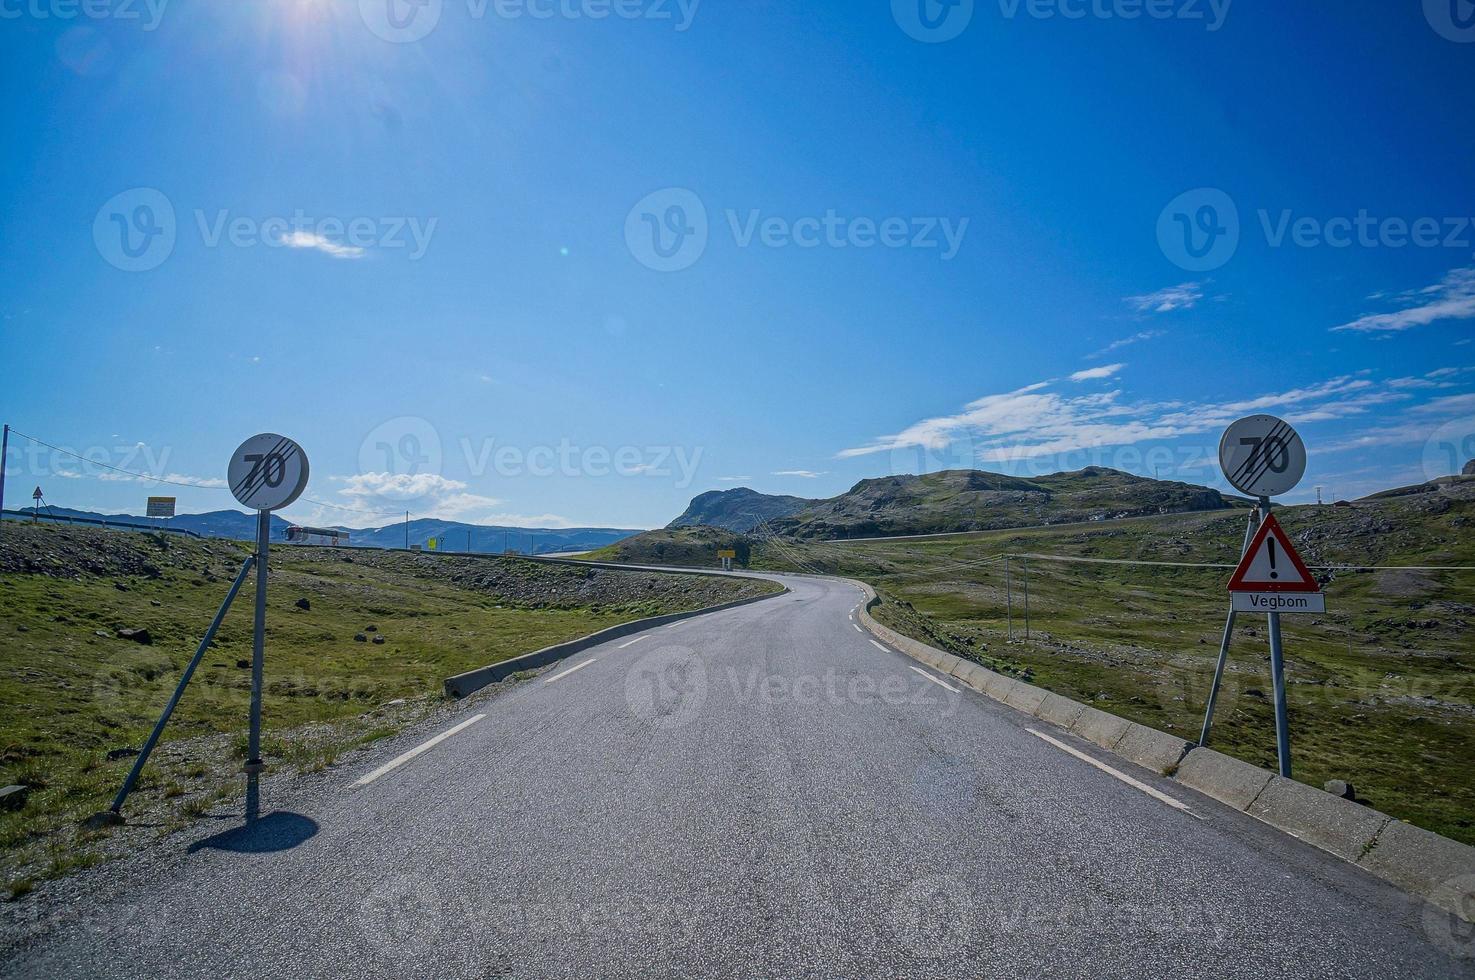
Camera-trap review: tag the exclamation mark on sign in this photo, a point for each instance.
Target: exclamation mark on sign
(1273, 572)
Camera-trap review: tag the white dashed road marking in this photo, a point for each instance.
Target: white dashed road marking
(632, 642)
(559, 677)
(395, 763)
(934, 679)
(879, 646)
(1135, 784)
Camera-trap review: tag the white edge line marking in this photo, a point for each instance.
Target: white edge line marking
(934, 679)
(632, 642)
(857, 627)
(1135, 784)
(879, 646)
(394, 764)
(581, 666)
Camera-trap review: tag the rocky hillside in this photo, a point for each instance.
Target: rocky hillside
(972, 500)
(688, 547)
(739, 510)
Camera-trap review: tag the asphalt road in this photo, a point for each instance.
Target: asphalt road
(761, 792)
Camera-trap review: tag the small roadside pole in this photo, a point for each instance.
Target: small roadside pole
(36, 506)
(268, 472)
(727, 555)
(1025, 564)
(1262, 456)
(1009, 599)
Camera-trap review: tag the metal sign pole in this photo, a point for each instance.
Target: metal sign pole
(1203, 738)
(1278, 682)
(254, 765)
(1009, 597)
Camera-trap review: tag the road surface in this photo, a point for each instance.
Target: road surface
(762, 792)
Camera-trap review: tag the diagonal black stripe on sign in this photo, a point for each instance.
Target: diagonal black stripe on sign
(1254, 462)
(1284, 439)
(244, 487)
(252, 483)
(286, 456)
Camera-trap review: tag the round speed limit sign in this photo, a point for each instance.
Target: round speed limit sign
(1262, 456)
(268, 472)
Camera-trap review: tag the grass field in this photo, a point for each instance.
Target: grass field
(72, 690)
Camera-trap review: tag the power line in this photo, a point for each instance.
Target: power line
(94, 462)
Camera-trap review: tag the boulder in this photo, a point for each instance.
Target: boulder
(360, 638)
(14, 797)
(137, 636)
(303, 604)
(1469, 469)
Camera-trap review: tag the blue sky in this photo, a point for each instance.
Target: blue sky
(540, 266)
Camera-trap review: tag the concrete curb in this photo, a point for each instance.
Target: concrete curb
(1439, 870)
(463, 685)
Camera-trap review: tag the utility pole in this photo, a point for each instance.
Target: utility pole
(1026, 601)
(407, 530)
(1009, 593)
(468, 541)
(4, 458)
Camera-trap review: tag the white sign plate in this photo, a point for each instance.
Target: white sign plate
(161, 506)
(1280, 602)
(1262, 456)
(268, 472)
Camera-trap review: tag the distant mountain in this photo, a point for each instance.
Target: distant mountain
(483, 539)
(973, 500)
(739, 509)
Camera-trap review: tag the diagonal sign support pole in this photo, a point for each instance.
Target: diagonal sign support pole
(1203, 739)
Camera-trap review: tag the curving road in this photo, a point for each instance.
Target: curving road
(760, 792)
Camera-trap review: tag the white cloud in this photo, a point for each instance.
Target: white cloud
(1181, 297)
(1035, 422)
(802, 474)
(1136, 338)
(1452, 298)
(307, 239)
(1092, 374)
(733, 479)
(423, 494)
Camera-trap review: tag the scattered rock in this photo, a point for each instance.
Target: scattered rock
(378, 640)
(22, 629)
(137, 636)
(155, 602)
(303, 604)
(243, 665)
(120, 586)
(371, 629)
(1342, 788)
(102, 633)
(14, 797)
(360, 638)
(116, 754)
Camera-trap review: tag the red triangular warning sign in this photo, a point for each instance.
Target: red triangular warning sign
(1272, 564)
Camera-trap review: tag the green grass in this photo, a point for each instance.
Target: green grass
(68, 695)
(1381, 688)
